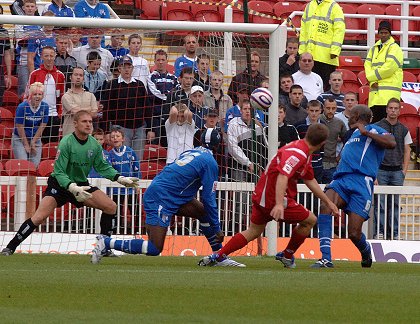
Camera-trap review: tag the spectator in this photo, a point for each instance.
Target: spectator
(180, 129)
(196, 105)
(160, 83)
(6, 58)
(244, 160)
(350, 100)
(141, 66)
(201, 76)
(125, 104)
(189, 59)
(16, 8)
(392, 172)
(38, 42)
(124, 159)
(252, 80)
(337, 130)
(63, 60)
(99, 135)
(54, 83)
(116, 48)
(287, 133)
(76, 99)
(94, 45)
(314, 113)
(336, 82)
(235, 110)
(310, 81)
(289, 62)
(94, 78)
(322, 35)
(215, 98)
(294, 110)
(383, 67)
(31, 119)
(286, 81)
(59, 9)
(23, 33)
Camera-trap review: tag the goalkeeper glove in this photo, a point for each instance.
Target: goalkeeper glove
(129, 182)
(80, 192)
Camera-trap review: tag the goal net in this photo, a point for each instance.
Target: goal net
(139, 109)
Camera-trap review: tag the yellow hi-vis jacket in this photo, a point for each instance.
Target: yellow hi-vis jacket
(322, 31)
(384, 67)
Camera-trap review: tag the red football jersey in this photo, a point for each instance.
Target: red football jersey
(292, 160)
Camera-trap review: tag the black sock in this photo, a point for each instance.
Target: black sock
(24, 231)
(108, 224)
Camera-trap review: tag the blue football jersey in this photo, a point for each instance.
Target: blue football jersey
(361, 154)
(125, 161)
(179, 182)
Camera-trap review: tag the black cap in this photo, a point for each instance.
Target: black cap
(210, 138)
(384, 24)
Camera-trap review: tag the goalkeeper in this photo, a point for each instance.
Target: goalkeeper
(172, 192)
(77, 154)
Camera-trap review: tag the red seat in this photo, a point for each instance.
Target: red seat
(10, 100)
(150, 9)
(350, 82)
(206, 13)
(361, 77)
(156, 153)
(418, 78)
(352, 63)
(284, 9)
(14, 86)
(364, 95)
(349, 8)
(7, 117)
(347, 75)
(5, 132)
(177, 11)
(5, 151)
(150, 169)
(395, 10)
(237, 15)
(411, 122)
(45, 168)
(408, 109)
(262, 7)
(354, 24)
(409, 77)
(49, 151)
(169, 67)
(19, 168)
(370, 9)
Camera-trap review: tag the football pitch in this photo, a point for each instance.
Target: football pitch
(139, 289)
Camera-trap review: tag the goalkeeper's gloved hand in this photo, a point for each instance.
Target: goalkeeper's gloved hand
(80, 192)
(129, 182)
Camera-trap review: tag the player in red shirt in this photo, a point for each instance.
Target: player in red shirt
(275, 197)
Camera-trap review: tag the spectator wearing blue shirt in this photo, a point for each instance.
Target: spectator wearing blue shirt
(59, 9)
(116, 48)
(189, 59)
(94, 77)
(31, 119)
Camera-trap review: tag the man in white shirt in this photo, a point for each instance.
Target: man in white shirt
(310, 81)
(94, 44)
(141, 66)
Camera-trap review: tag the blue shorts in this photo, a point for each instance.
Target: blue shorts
(156, 214)
(356, 190)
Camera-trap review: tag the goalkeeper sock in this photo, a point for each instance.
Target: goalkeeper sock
(24, 231)
(210, 234)
(235, 243)
(108, 224)
(295, 242)
(325, 234)
(135, 246)
(364, 247)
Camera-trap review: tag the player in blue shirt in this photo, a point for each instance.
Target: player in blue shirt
(352, 187)
(173, 191)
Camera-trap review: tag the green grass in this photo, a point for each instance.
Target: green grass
(138, 289)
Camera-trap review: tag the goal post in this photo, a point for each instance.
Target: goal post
(277, 35)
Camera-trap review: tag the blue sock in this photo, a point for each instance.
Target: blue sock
(325, 234)
(364, 247)
(210, 234)
(134, 246)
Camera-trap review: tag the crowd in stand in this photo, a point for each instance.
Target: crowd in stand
(59, 73)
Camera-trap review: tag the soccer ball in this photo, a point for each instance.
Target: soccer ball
(261, 98)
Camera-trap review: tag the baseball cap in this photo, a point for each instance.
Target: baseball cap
(211, 112)
(196, 88)
(126, 60)
(210, 138)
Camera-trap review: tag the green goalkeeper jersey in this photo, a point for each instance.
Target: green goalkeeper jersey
(75, 159)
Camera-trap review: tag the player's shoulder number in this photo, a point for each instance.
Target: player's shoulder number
(186, 158)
